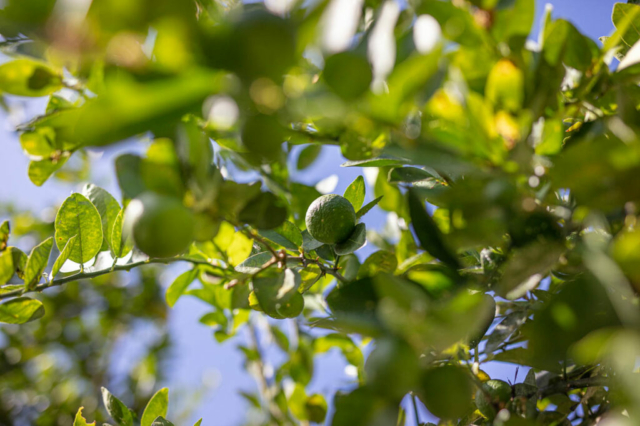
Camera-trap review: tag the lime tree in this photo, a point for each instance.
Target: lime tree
(331, 219)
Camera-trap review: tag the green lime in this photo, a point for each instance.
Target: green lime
(162, 225)
(392, 369)
(331, 219)
(347, 74)
(493, 397)
(293, 307)
(447, 392)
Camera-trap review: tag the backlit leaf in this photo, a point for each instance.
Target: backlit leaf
(355, 193)
(37, 262)
(156, 407)
(78, 216)
(63, 257)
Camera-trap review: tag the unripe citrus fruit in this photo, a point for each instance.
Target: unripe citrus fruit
(447, 391)
(493, 396)
(293, 307)
(162, 225)
(331, 219)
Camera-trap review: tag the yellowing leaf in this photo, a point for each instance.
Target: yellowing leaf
(21, 310)
(81, 421)
(26, 77)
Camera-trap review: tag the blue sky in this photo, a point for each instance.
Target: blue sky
(197, 355)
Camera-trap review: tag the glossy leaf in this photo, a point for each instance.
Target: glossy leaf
(161, 421)
(77, 216)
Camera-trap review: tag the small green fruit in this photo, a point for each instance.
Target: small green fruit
(493, 397)
(331, 219)
(293, 307)
(447, 392)
(162, 225)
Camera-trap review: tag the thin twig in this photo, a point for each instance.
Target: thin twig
(94, 274)
(566, 386)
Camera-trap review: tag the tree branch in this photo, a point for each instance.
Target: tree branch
(566, 386)
(94, 274)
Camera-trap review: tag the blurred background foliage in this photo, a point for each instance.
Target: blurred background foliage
(505, 167)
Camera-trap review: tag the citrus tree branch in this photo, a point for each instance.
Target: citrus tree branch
(93, 274)
(566, 386)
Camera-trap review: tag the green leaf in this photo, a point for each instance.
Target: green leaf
(128, 171)
(381, 161)
(38, 143)
(5, 229)
(198, 423)
(119, 412)
(156, 407)
(429, 235)
(179, 286)
(63, 257)
(308, 242)
(21, 310)
(81, 421)
(408, 174)
(308, 155)
(364, 210)
(161, 421)
(266, 211)
(274, 292)
(527, 267)
(6, 266)
(291, 233)
(626, 19)
(380, 261)
(253, 263)
(19, 261)
(121, 242)
(37, 262)
(40, 171)
(239, 248)
(78, 216)
(356, 240)
(108, 208)
(355, 193)
(26, 77)
(135, 107)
